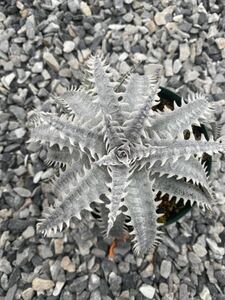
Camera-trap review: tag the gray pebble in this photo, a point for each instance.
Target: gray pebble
(163, 289)
(128, 17)
(58, 287)
(183, 292)
(114, 281)
(124, 67)
(85, 8)
(23, 76)
(4, 45)
(7, 80)
(148, 271)
(184, 52)
(4, 282)
(131, 29)
(173, 46)
(68, 46)
(182, 260)
(193, 258)
(205, 294)
(17, 226)
(124, 267)
(5, 266)
(51, 28)
(45, 251)
(169, 242)
(218, 252)
(147, 290)
(199, 250)
(66, 295)
(8, 66)
(2, 17)
(47, 174)
(22, 192)
(11, 292)
(28, 233)
(177, 65)
(79, 284)
(30, 27)
(57, 273)
(18, 112)
(98, 252)
(213, 18)
(28, 294)
(73, 5)
(37, 67)
(51, 60)
(190, 75)
(95, 295)
(168, 65)
(94, 282)
(165, 268)
(220, 276)
(118, 4)
(18, 133)
(162, 17)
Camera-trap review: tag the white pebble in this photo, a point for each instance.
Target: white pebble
(147, 290)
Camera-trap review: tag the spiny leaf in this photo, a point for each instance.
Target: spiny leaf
(113, 134)
(143, 91)
(176, 149)
(176, 121)
(67, 180)
(62, 156)
(58, 130)
(183, 190)
(119, 229)
(106, 96)
(90, 186)
(82, 105)
(119, 176)
(142, 210)
(191, 169)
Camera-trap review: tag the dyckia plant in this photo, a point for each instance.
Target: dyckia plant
(114, 144)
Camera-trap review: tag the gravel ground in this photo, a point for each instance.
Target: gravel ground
(43, 45)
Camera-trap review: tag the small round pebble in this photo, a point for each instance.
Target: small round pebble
(147, 290)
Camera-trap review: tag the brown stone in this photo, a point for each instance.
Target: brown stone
(67, 264)
(39, 284)
(220, 43)
(151, 26)
(58, 243)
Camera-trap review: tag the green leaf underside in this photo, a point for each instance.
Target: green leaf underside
(180, 118)
(183, 190)
(88, 190)
(142, 210)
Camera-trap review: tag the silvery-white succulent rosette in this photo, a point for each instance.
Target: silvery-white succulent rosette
(114, 144)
